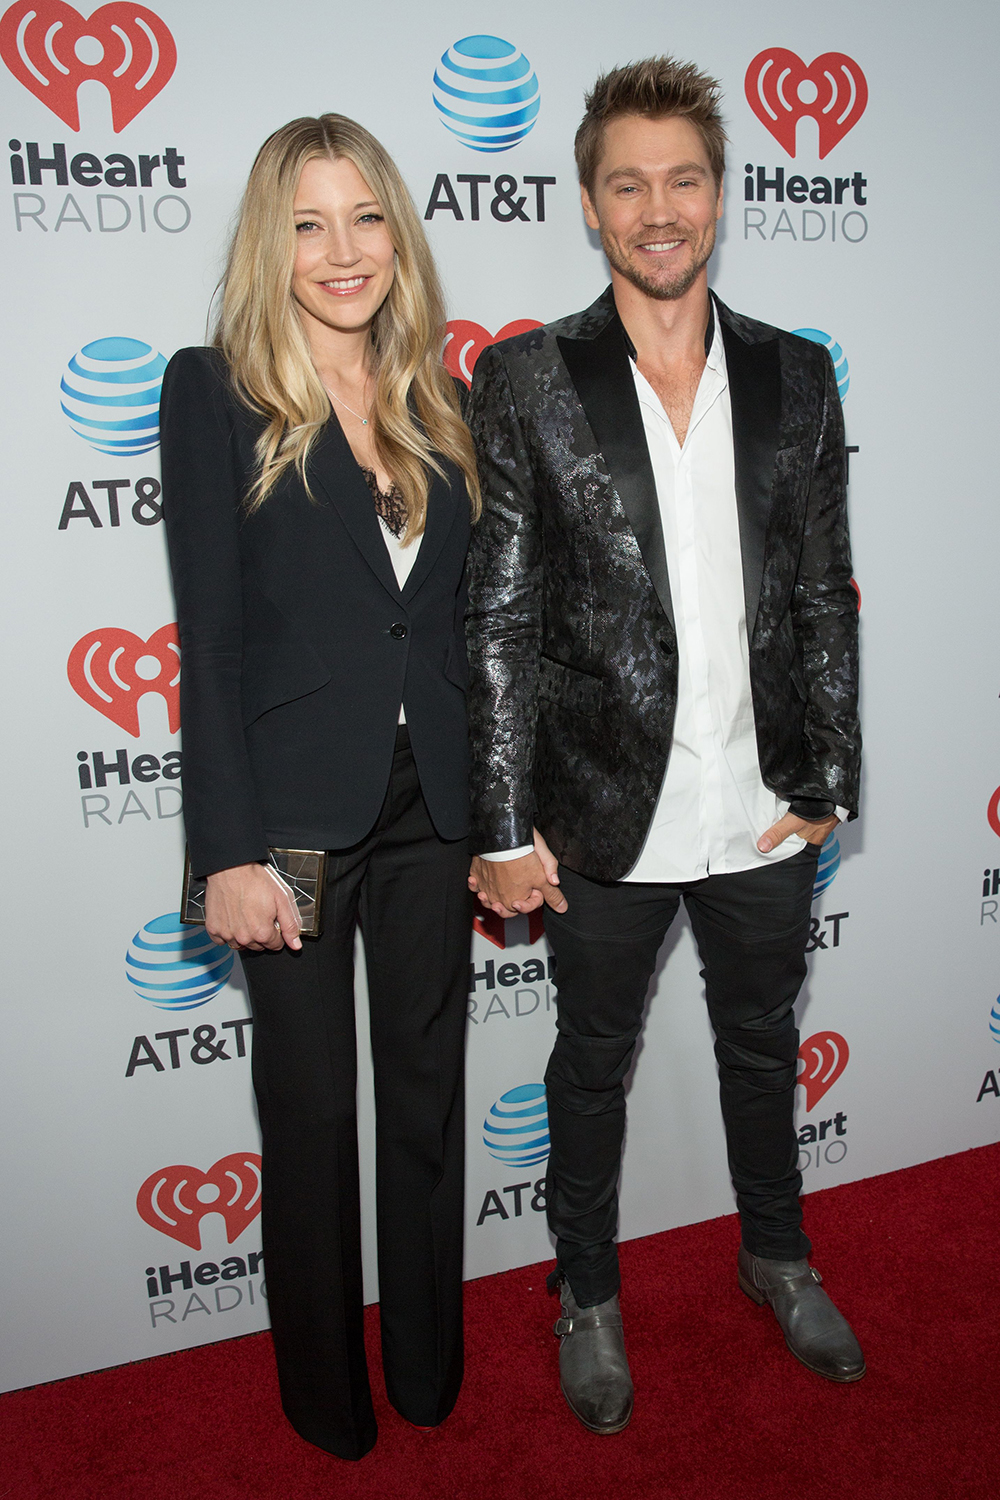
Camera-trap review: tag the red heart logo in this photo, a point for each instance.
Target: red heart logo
(825, 1056)
(494, 928)
(993, 812)
(465, 342)
(780, 89)
(176, 1199)
(51, 49)
(112, 669)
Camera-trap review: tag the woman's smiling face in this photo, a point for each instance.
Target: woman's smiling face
(345, 261)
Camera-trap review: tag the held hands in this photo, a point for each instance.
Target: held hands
(249, 907)
(813, 833)
(514, 886)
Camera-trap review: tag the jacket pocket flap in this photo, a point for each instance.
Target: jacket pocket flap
(279, 664)
(568, 686)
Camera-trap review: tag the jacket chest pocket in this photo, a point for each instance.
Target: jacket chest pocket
(568, 687)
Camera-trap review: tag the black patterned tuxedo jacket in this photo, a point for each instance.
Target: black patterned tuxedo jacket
(570, 628)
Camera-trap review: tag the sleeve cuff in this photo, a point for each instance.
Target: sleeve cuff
(505, 854)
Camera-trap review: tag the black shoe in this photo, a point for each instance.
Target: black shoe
(816, 1333)
(593, 1369)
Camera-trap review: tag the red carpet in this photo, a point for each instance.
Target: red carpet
(723, 1412)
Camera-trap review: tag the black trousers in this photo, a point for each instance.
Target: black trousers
(408, 889)
(751, 930)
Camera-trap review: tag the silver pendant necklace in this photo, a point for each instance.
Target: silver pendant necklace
(362, 420)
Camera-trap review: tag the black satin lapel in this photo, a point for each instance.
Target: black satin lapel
(754, 372)
(599, 369)
(441, 502)
(334, 469)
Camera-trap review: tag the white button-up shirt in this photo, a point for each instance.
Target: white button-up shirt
(713, 805)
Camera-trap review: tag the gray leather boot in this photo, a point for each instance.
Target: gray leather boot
(593, 1370)
(815, 1332)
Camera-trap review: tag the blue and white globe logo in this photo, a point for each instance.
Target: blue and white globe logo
(829, 864)
(995, 1020)
(111, 394)
(176, 967)
(516, 1130)
(840, 365)
(486, 93)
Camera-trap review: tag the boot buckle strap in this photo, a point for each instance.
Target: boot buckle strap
(793, 1284)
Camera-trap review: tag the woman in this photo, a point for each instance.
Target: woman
(318, 488)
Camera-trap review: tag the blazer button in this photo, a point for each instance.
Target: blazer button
(398, 630)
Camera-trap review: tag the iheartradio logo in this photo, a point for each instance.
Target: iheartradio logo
(825, 1055)
(494, 928)
(465, 342)
(993, 812)
(111, 669)
(52, 49)
(176, 1199)
(781, 89)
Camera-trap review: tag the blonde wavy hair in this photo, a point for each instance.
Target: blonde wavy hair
(415, 414)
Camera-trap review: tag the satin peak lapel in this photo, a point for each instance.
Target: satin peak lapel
(335, 470)
(600, 371)
(754, 372)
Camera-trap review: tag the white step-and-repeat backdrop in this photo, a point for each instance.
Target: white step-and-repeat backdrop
(860, 211)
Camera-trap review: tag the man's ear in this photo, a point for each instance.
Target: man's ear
(718, 207)
(589, 211)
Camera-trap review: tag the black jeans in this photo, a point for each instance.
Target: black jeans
(751, 930)
(408, 889)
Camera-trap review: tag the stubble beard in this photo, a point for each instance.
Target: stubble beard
(659, 290)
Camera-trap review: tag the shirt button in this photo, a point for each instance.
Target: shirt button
(398, 630)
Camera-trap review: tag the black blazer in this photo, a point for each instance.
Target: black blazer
(297, 645)
(571, 636)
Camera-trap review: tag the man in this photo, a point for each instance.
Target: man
(663, 638)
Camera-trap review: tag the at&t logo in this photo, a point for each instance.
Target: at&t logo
(823, 1056)
(110, 392)
(840, 366)
(990, 1087)
(781, 90)
(486, 93)
(178, 968)
(825, 931)
(174, 967)
(516, 1132)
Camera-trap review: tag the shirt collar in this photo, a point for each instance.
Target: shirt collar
(713, 340)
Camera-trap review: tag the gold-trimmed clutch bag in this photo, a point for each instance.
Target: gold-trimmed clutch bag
(303, 871)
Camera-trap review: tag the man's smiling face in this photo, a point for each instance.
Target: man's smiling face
(655, 203)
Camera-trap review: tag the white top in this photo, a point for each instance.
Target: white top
(402, 559)
(713, 805)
